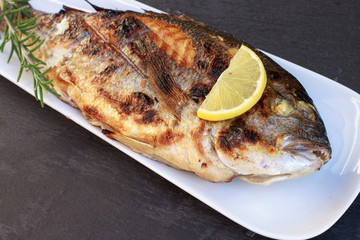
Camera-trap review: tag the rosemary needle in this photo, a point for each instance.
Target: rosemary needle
(18, 26)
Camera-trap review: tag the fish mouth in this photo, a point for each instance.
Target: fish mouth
(309, 149)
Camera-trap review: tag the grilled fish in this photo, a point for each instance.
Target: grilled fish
(142, 76)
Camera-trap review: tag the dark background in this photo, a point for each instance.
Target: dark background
(59, 181)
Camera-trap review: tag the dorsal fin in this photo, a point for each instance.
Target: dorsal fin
(97, 8)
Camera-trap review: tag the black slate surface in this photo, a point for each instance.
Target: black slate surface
(58, 181)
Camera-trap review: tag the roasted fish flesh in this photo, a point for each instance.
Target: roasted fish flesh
(142, 76)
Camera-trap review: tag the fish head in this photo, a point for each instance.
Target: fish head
(299, 128)
(281, 137)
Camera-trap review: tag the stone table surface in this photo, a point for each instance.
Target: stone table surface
(59, 181)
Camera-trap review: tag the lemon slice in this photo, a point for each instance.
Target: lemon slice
(237, 89)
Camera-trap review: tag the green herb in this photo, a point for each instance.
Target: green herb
(19, 24)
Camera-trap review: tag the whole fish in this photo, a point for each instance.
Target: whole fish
(142, 76)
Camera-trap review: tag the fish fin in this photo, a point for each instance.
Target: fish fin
(153, 63)
(141, 147)
(161, 80)
(68, 9)
(83, 9)
(97, 8)
(128, 141)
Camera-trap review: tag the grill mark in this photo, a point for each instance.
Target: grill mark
(178, 38)
(197, 136)
(75, 27)
(126, 28)
(182, 53)
(109, 69)
(174, 55)
(187, 57)
(149, 117)
(224, 143)
(92, 24)
(91, 112)
(237, 135)
(171, 39)
(217, 66)
(251, 136)
(137, 103)
(168, 31)
(92, 49)
(178, 55)
(198, 92)
(122, 31)
(169, 137)
(143, 98)
(201, 64)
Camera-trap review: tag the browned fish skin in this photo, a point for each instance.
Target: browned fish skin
(141, 78)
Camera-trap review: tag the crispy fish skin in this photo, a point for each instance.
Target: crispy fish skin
(142, 77)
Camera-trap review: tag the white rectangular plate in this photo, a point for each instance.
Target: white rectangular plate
(294, 209)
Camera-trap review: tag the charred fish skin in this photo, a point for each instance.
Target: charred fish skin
(142, 76)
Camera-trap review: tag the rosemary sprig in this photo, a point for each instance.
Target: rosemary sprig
(19, 23)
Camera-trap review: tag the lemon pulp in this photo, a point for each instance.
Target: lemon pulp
(237, 89)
